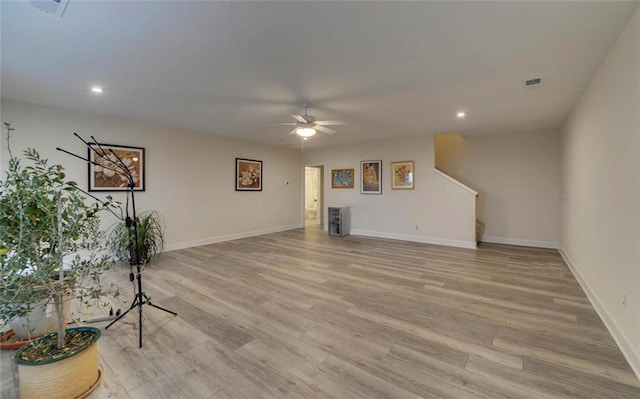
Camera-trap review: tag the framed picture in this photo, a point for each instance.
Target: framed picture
(248, 175)
(371, 177)
(108, 174)
(402, 175)
(342, 178)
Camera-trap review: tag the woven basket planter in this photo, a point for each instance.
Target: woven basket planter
(74, 376)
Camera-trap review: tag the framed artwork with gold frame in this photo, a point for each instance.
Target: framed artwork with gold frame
(402, 175)
(342, 178)
(106, 172)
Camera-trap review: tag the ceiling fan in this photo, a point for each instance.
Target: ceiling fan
(306, 125)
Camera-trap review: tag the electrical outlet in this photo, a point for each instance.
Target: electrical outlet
(512, 226)
(417, 227)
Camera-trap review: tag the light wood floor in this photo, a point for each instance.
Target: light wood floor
(299, 314)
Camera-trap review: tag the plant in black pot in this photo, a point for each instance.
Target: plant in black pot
(150, 239)
(51, 250)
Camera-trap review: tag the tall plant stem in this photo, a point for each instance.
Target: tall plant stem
(58, 300)
(58, 297)
(9, 130)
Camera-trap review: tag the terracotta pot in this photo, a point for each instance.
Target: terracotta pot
(72, 376)
(8, 340)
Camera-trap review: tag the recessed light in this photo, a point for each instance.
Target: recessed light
(461, 114)
(97, 89)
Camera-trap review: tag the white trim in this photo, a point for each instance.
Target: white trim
(228, 237)
(618, 335)
(413, 238)
(522, 243)
(456, 182)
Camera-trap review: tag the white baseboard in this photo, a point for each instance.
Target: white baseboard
(414, 238)
(516, 241)
(623, 343)
(228, 237)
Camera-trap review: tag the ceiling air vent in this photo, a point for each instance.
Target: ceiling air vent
(56, 7)
(533, 82)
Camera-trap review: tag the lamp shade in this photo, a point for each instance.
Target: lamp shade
(305, 131)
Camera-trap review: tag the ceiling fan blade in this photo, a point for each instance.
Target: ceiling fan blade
(299, 118)
(293, 131)
(283, 124)
(324, 129)
(329, 123)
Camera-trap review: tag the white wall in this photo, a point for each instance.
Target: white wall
(517, 177)
(600, 227)
(189, 176)
(443, 211)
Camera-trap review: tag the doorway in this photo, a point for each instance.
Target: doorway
(313, 195)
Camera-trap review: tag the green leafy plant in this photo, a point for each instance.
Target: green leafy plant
(150, 238)
(46, 223)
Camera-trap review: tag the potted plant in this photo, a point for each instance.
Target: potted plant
(150, 239)
(51, 248)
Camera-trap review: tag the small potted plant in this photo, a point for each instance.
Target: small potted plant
(150, 239)
(51, 248)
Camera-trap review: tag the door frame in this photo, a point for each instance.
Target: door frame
(321, 212)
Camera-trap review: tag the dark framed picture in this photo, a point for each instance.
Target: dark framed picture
(342, 178)
(402, 175)
(371, 177)
(111, 162)
(248, 175)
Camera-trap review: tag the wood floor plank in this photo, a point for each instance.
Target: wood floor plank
(251, 381)
(452, 382)
(360, 381)
(506, 304)
(595, 386)
(300, 380)
(347, 345)
(446, 340)
(110, 386)
(594, 351)
(299, 314)
(359, 326)
(537, 386)
(209, 324)
(589, 367)
(228, 392)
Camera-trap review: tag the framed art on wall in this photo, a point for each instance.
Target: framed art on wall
(402, 175)
(248, 175)
(107, 174)
(342, 178)
(371, 177)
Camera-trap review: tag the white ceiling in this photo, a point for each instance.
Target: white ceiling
(385, 68)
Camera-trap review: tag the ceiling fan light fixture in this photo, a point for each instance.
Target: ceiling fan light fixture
(305, 131)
